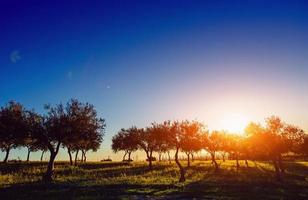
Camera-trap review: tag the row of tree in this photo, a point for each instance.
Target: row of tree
(269, 142)
(74, 126)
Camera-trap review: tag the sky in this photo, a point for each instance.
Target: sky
(145, 61)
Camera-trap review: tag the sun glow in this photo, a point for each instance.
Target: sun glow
(234, 123)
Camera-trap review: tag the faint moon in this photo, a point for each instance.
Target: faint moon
(15, 56)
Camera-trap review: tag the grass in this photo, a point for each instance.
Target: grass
(119, 180)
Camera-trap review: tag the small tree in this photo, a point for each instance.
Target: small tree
(147, 142)
(275, 139)
(12, 127)
(304, 146)
(85, 130)
(64, 122)
(212, 143)
(33, 128)
(178, 132)
(126, 140)
(234, 146)
(191, 141)
(160, 138)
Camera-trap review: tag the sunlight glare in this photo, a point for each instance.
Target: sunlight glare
(234, 123)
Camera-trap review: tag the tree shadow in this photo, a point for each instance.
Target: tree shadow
(70, 191)
(227, 183)
(247, 183)
(89, 166)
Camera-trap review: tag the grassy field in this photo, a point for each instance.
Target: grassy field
(118, 180)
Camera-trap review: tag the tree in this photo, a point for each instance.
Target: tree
(191, 141)
(85, 131)
(234, 146)
(304, 146)
(175, 139)
(33, 128)
(212, 143)
(12, 126)
(147, 142)
(126, 140)
(64, 122)
(177, 133)
(91, 142)
(295, 138)
(275, 139)
(161, 140)
(225, 144)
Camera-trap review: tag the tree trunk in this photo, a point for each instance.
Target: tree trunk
(124, 155)
(84, 157)
(223, 157)
(48, 176)
(192, 157)
(188, 160)
(129, 159)
(277, 171)
(280, 164)
(7, 155)
(182, 171)
(246, 162)
(237, 163)
(150, 160)
(76, 157)
(159, 156)
(214, 161)
(42, 155)
(70, 156)
(169, 158)
(28, 156)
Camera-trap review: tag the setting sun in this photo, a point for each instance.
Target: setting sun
(234, 122)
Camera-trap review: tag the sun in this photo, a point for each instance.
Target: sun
(234, 123)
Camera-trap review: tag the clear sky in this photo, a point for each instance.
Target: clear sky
(145, 61)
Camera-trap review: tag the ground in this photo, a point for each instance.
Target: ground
(117, 180)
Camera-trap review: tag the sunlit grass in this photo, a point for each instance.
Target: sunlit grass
(121, 180)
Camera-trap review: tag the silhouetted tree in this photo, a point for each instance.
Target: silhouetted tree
(126, 140)
(191, 141)
(60, 125)
(12, 127)
(275, 139)
(178, 132)
(32, 129)
(224, 144)
(147, 142)
(234, 146)
(304, 146)
(212, 143)
(85, 131)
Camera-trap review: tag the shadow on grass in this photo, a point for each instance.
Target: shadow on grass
(111, 171)
(89, 166)
(228, 183)
(71, 191)
(247, 183)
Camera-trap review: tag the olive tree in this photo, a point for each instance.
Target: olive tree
(126, 140)
(12, 127)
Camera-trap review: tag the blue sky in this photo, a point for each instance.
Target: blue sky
(144, 61)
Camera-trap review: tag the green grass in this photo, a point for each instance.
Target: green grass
(118, 180)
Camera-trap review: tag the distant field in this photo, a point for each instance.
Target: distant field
(118, 180)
